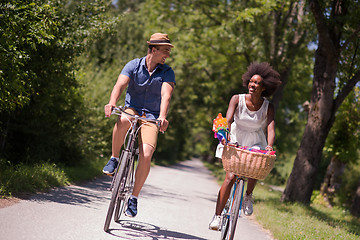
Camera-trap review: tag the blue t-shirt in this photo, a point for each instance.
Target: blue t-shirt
(144, 91)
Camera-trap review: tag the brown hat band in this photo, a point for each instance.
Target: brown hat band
(159, 41)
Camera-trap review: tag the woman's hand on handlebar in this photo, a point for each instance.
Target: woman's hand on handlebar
(108, 109)
(223, 141)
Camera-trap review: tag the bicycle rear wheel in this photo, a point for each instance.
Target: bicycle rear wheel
(234, 214)
(116, 189)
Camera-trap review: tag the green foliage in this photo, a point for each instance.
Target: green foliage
(344, 138)
(214, 43)
(30, 179)
(15, 180)
(350, 181)
(343, 142)
(42, 114)
(24, 25)
(100, 66)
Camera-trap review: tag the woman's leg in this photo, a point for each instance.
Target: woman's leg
(250, 185)
(248, 201)
(224, 193)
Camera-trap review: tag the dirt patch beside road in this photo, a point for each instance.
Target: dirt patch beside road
(6, 202)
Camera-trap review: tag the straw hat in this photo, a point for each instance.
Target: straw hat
(161, 39)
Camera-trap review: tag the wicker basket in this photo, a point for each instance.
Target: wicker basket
(247, 164)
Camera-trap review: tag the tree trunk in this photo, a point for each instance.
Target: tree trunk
(355, 208)
(332, 179)
(321, 116)
(301, 182)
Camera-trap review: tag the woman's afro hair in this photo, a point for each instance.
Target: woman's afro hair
(271, 78)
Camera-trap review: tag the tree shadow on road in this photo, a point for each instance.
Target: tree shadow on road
(139, 230)
(84, 194)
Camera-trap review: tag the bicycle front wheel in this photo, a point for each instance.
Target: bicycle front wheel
(119, 207)
(116, 189)
(234, 214)
(128, 183)
(225, 219)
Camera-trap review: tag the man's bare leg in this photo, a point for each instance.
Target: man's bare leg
(119, 132)
(142, 171)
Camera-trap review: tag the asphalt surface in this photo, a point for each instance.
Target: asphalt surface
(176, 202)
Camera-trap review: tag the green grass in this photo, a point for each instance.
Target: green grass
(24, 179)
(297, 221)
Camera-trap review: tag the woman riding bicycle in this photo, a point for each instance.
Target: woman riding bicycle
(248, 115)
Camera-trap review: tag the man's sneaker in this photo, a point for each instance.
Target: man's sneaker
(110, 167)
(131, 210)
(248, 204)
(215, 223)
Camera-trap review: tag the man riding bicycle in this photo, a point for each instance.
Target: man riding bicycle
(150, 84)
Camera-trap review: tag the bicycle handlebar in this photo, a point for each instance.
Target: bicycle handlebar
(121, 110)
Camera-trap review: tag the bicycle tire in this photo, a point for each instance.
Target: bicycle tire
(225, 219)
(115, 190)
(128, 185)
(224, 228)
(234, 214)
(119, 207)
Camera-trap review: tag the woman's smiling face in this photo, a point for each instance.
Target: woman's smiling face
(256, 84)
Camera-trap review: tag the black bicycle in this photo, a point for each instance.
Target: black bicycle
(123, 180)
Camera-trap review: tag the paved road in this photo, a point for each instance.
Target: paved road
(177, 203)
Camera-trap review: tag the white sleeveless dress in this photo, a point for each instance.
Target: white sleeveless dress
(248, 126)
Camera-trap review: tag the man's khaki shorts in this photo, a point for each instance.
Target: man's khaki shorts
(148, 133)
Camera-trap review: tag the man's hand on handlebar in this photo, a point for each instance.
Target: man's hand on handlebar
(108, 109)
(163, 124)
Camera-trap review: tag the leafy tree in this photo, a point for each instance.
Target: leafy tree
(24, 25)
(342, 145)
(335, 75)
(102, 62)
(42, 113)
(215, 41)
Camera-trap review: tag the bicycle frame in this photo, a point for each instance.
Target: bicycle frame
(122, 185)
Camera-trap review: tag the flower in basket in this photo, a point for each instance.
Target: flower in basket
(220, 127)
